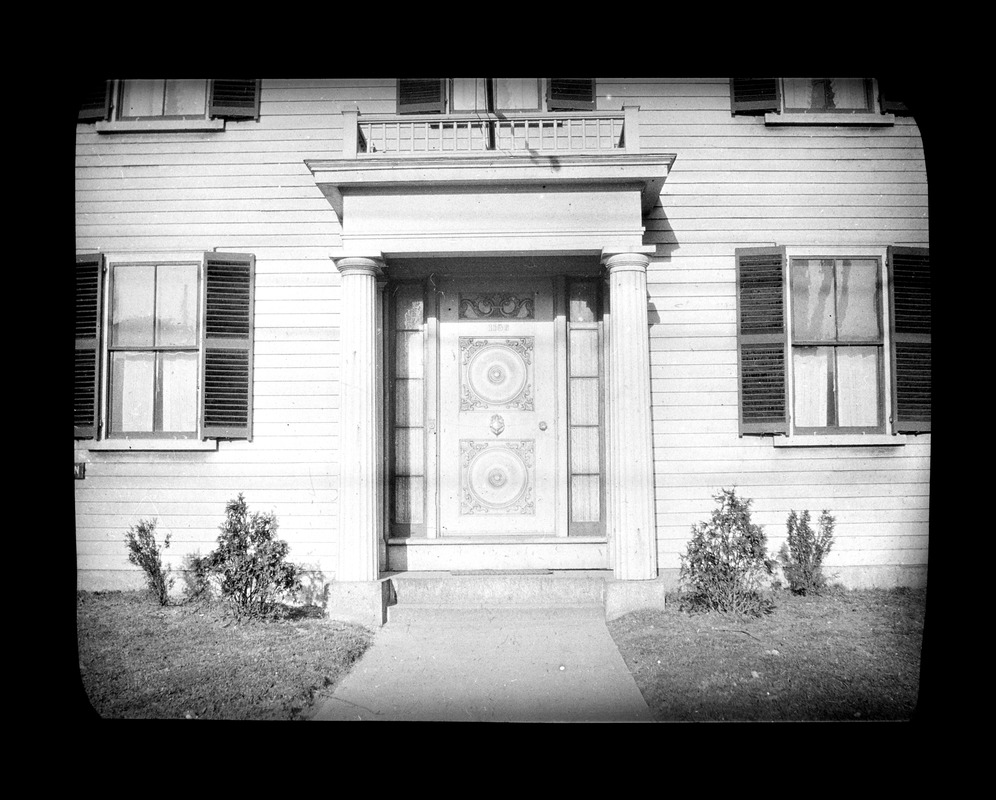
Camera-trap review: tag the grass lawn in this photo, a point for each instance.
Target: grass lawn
(845, 655)
(138, 660)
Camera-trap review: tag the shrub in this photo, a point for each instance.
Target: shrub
(145, 553)
(196, 577)
(726, 562)
(251, 562)
(802, 555)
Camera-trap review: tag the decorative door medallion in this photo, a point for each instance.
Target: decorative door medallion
(496, 373)
(497, 390)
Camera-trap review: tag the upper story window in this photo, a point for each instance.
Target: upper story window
(162, 98)
(168, 104)
(836, 101)
(494, 95)
(827, 94)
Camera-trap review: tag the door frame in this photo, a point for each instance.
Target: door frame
(585, 549)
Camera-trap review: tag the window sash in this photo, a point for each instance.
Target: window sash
(827, 390)
(833, 399)
(152, 417)
(826, 95)
(162, 99)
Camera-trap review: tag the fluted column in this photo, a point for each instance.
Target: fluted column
(358, 470)
(630, 467)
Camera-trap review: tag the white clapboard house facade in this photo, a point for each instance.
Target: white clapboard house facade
(501, 324)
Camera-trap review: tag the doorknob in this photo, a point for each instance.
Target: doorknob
(542, 426)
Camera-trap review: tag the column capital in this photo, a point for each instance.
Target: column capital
(625, 262)
(360, 265)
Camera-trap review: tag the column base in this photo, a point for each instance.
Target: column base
(622, 597)
(360, 602)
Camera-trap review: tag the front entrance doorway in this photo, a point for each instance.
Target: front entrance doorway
(495, 419)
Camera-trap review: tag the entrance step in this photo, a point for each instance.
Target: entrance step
(419, 593)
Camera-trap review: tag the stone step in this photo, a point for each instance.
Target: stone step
(484, 589)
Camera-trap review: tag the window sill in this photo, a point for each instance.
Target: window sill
(155, 125)
(843, 440)
(139, 445)
(789, 118)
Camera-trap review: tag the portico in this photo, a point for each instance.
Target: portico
(529, 443)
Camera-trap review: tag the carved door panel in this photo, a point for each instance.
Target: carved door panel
(497, 408)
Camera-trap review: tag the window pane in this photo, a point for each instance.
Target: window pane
(176, 305)
(583, 301)
(132, 306)
(178, 375)
(142, 99)
(811, 377)
(799, 93)
(812, 299)
(409, 314)
(857, 300)
(857, 386)
(132, 392)
(468, 95)
(516, 93)
(185, 97)
(849, 94)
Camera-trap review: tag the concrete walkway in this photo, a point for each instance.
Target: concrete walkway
(533, 664)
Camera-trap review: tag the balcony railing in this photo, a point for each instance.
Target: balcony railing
(466, 134)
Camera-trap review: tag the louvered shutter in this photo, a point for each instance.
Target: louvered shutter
(570, 94)
(420, 96)
(235, 98)
(94, 101)
(762, 340)
(754, 95)
(910, 309)
(226, 372)
(86, 383)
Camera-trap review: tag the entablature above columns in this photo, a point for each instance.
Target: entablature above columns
(527, 205)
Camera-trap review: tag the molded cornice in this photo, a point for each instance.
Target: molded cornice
(647, 170)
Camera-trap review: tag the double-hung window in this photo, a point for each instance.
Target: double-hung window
(499, 113)
(833, 345)
(816, 100)
(494, 95)
(164, 103)
(153, 350)
(164, 348)
(162, 98)
(837, 340)
(847, 95)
